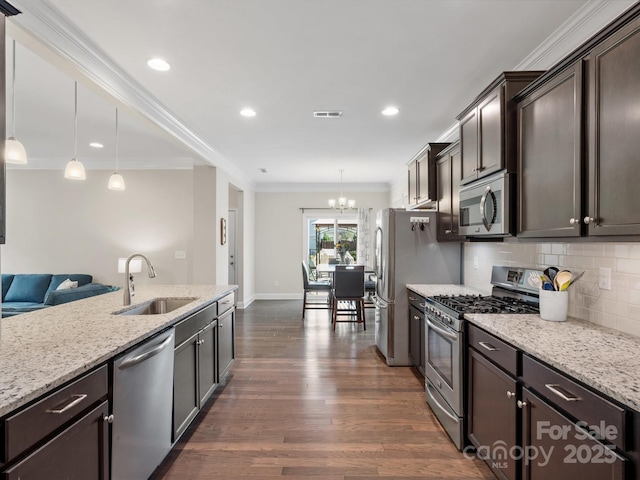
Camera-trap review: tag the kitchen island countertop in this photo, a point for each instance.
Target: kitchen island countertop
(44, 349)
(603, 358)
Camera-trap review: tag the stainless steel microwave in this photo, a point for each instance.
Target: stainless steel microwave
(486, 206)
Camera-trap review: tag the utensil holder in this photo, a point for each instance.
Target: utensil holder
(554, 306)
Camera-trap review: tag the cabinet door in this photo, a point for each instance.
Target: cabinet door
(80, 452)
(564, 452)
(185, 385)
(492, 413)
(444, 181)
(549, 158)
(491, 133)
(469, 146)
(424, 177)
(415, 319)
(207, 370)
(226, 342)
(412, 186)
(614, 142)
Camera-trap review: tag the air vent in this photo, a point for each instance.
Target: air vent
(328, 114)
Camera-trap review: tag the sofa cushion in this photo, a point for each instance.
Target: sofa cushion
(21, 306)
(7, 278)
(28, 288)
(58, 297)
(57, 279)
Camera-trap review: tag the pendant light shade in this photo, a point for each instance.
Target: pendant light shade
(75, 169)
(116, 181)
(14, 151)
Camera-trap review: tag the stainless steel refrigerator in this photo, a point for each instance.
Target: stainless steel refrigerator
(407, 252)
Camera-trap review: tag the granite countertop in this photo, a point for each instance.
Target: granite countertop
(44, 349)
(603, 358)
(428, 290)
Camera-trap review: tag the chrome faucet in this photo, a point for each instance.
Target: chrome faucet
(129, 289)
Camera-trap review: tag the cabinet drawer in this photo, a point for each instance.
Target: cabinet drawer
(27, 427)
(579, 402)
(226, 303)
(501, 353)
(417, 301)
(196, 322)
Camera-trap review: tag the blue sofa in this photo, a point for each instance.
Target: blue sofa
(28, 292)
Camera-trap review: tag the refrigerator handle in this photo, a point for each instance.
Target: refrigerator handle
(378, 266)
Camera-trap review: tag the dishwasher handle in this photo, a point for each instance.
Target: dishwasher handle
(145, 355)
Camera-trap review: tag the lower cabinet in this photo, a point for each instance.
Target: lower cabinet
(226, 342)
(492, 414)
(529, 421)
(417, 304)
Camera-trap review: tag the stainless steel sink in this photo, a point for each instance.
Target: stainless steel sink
(158, 306)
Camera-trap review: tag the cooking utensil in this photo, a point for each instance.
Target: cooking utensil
(576, 278)
(562, 280)
(551, 273)
(534, 280)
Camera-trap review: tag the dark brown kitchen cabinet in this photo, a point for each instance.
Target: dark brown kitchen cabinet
(421, 186)
(448, 176)
(613, 140)
(80, 451)
(492, 413)
(487, 127)
(226, 343)
(195, 367)
(416, 338)
(530, 421)
(550, 157)
(564, 449)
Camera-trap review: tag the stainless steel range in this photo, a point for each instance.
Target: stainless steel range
(444, 339)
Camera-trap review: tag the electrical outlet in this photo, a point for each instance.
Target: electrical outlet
(604, 278)
(181, 254)
(476, 263)
(276, 283)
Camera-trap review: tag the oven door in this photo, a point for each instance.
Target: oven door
(443, 362)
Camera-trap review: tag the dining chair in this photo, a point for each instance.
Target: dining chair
(348, 295)
(314, 286)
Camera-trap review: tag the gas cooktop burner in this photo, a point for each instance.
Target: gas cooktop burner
(461, 304)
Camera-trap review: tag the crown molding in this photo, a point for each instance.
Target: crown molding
(322, 187)
(45, 29)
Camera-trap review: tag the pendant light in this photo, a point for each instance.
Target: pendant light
(116, 181)
(75, 169)
(14, 151)
(343, 204)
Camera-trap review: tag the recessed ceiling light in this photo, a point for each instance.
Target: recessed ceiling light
(390, 111)
(96, 145)
(158, 64)
(248, 112)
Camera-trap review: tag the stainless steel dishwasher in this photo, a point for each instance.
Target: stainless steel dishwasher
(142, 406)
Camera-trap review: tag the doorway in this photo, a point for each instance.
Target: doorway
(231, 240)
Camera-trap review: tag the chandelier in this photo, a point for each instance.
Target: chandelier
(342, 204)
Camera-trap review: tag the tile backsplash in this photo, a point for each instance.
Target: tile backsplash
(618, 308)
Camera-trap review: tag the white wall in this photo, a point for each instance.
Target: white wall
(55, 225)
(618, 308)
(278, 237)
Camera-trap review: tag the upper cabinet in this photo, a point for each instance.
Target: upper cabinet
(578, 140)
(487, 127)
(422, 176)
(448, 175)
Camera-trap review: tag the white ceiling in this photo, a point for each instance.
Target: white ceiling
(285, 59)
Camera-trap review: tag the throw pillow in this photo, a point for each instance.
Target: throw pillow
(67, 284)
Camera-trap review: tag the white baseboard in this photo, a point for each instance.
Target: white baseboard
(278, 296)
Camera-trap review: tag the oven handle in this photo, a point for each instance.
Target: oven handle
(444, 410)
(442, 332)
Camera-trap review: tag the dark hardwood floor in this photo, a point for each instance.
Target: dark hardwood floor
(305, 402)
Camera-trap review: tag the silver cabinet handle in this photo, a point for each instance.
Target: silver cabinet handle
(415, 317)
(220, 325)
(558, 390)
(108, 418)
(574, 221)
(510, 394)
(199, 342)
(412, 299)
(488, 346)
(227, 302)
(588, 220)
(447, 232)
(76, 399)
(521, 404)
